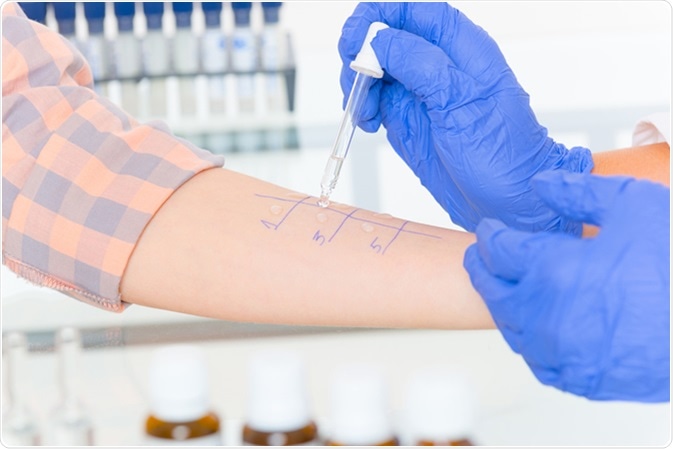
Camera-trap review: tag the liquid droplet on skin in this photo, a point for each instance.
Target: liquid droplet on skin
(367, 227)
(276, 209)
(321, 217)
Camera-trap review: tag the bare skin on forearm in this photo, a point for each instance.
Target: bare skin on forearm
(651, 162)
(232, 247)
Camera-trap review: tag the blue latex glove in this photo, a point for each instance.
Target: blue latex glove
(455, 113)
(590, 316)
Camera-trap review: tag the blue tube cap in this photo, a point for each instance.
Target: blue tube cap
(212, 12)
(183, 14)
(153, 8)
(125, 9)
(94, 10)
(154, 11)
(36, 11)
(241, 13)
(64, 10)
(125, 12)
(271, 11)
(183, 7)
(207, 7)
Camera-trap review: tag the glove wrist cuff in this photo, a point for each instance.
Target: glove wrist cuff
(576, 160)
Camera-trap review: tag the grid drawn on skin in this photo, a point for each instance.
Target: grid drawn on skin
(347, 216)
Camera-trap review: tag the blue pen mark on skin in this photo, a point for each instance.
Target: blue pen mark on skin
(378, 244)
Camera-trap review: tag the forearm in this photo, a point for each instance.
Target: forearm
(233, 247)
(650, 162)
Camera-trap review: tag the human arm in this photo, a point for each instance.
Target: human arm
(82, 180)
(214, 250)
(648, 162)
(589, 316)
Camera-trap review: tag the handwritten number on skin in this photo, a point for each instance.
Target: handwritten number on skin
(318, 237)
(374, 246)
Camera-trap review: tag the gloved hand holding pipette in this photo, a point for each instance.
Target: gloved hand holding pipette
(455, 113)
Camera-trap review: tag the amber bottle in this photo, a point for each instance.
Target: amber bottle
(180, 411)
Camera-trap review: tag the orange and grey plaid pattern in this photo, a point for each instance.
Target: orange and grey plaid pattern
(80, 178)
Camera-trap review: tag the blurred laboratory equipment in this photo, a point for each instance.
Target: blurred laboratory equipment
(95, 47)
(179, 399)
(156, 58)
(438, 409)
(244, 56)
(127, 56)
(69, 423)
(185, 57)
(19, 423)
(278, 410)
(36, 11)
(222, 78)
(214, 55)
(360, 414)
(64, 12)
(244, 61)
(273, 58)
(273, 52)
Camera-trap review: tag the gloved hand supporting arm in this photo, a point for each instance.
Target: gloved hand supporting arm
(589, 316)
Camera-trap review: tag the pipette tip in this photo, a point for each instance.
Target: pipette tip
(323, 201)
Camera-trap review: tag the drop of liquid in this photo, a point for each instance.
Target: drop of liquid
(385, 216)
(321, 217)
(276, 209)
(367, 227)
(323, 201)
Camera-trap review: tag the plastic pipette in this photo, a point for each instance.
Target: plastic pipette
(367, 67)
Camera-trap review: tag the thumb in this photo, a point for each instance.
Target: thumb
(424, 69)
(579, 196)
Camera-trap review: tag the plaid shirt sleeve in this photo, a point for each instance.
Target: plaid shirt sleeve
(80, 178)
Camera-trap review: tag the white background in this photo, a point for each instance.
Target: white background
(570, 57)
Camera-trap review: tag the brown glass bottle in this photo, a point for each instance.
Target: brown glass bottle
(180, 412)
(359, 407)
(391, 442)
(439, 408)
(461, 442)
(303, 436)
(278, 410)
(207, 426)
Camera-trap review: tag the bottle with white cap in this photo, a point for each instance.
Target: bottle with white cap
(359, 408)
(278, 411)
(180, 410)
(439, 408)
